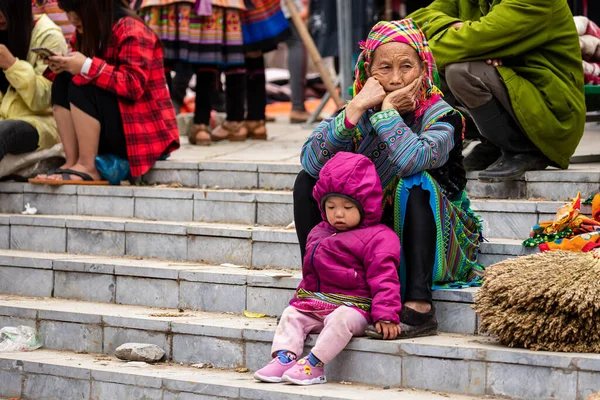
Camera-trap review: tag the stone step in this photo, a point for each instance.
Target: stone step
(462, 363)
(510, 219)
(155, 283)
(257, 246)
(551, 184)
(47, 374)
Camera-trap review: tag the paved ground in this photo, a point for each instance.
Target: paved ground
(286, 140)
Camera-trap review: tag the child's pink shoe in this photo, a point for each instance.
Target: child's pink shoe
(305, 374)
(273, 371)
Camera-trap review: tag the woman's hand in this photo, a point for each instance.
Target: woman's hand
(6, 58)
(371, 95)
(73, 63)
(389, 330)
(403, 100)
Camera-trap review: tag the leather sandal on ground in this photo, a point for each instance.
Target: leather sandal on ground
(257, 130)
(413, 324)
(66, 179)
(233, 131)
(200, 135)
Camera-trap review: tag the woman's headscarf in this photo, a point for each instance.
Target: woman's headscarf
(404, 31)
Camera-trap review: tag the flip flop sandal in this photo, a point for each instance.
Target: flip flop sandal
(66, 175)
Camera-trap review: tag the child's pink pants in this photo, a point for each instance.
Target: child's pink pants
(336, 329)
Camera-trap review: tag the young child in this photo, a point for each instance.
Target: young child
(350, 276)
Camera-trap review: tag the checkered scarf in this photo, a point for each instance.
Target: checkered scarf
(404, 31)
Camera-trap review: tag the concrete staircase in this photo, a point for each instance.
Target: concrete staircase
(176, 266)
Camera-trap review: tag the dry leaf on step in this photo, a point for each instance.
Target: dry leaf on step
(249, 314)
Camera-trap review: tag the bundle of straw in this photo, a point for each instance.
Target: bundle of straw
(548, 301)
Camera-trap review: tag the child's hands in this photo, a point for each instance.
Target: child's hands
(389, 330)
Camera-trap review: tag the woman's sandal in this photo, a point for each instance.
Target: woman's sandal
(230, 130)
(66, 179)
(200, 135)
(257, 130)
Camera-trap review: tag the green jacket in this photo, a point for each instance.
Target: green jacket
(539, 46)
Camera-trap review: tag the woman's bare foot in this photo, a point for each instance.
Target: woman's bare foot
(93, 172)
(46, 176)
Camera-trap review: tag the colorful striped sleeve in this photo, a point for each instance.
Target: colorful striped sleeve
(330, 137)
(409, 152)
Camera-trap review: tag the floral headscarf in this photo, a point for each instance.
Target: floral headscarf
(404, 31)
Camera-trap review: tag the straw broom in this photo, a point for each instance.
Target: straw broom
(548, 301)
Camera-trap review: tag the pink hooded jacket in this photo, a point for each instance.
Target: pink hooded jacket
(361, 262)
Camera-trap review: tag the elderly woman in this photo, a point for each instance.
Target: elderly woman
(398, 119)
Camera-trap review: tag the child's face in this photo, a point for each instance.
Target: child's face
(342, 213)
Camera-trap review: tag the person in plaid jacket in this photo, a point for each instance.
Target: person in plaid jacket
(110, 96)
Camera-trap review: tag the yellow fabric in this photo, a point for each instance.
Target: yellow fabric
(28, 96)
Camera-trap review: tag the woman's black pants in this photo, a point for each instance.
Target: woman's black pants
(99, 104)
(418, 241)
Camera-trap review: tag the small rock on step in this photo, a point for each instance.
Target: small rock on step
(139, 352)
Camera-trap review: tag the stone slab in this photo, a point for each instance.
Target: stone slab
(187, 178)
(276, 181)
(228, 179)
(70, 336)
(46, 387)
(383, 369)
(199, 349)
(522, 381)
(219, 250)
(231, 212)
(11, 203)
(65, 371)
(164, 209)
(274, 214)
(456, 318)
(212, 297)
(452, 376)
(107, 390)
(126, 378)
(105, 206)
(38, 238)
(100, 242)
(155, 245)
(10, 384)
(507, 225)
(588, 383)
(284, 255)
(52, 203)
(83, 286)
(267, 300)
(147, 292)
(26, 281)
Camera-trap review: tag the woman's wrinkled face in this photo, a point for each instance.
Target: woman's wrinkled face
(395, 65)
(75, 21)
(3, 22)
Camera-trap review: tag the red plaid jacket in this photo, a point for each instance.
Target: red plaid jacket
(133, 69)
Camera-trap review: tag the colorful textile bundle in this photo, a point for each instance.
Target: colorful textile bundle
(569, 230)
(589, 39)
(545, 301)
